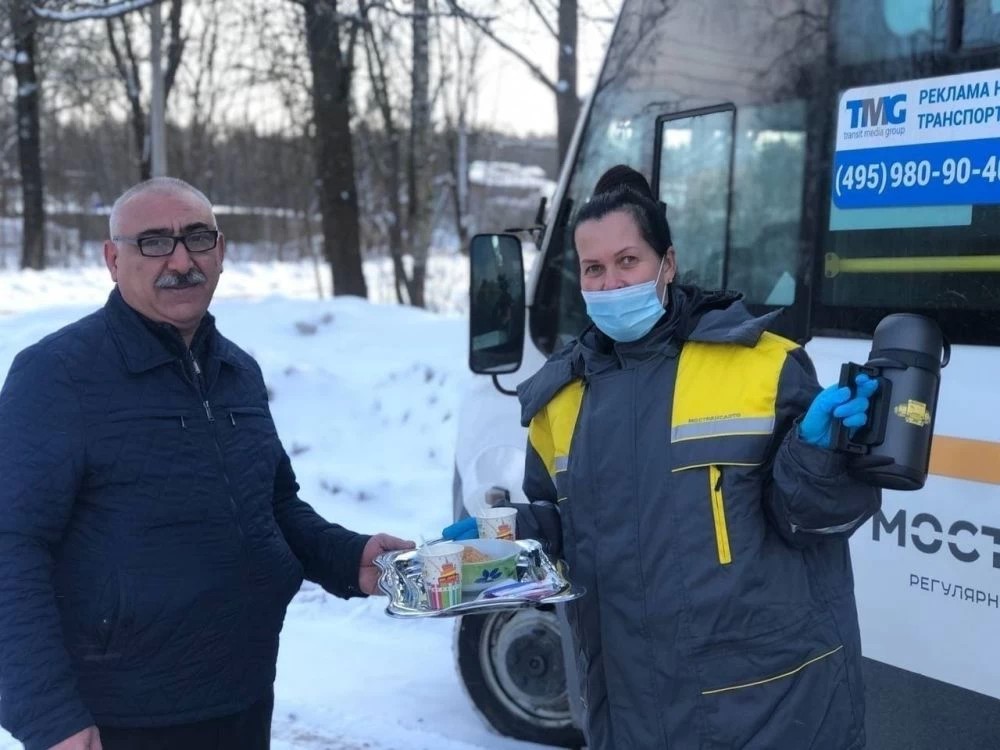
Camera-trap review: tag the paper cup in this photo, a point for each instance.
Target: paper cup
(441, 571)
(497, 523)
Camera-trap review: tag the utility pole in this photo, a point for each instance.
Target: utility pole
(157, 106)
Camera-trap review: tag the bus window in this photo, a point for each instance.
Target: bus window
(764, 225)
(981, 23)
(866, 267)
(870, 30)
(896, 240)
(695, 154)
(735, 203)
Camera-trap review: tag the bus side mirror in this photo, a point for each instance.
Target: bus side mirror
(496, 304)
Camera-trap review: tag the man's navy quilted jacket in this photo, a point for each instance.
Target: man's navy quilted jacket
(151, 535)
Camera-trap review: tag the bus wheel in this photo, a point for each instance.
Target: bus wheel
(513, 670)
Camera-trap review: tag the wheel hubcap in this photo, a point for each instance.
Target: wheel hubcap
(521, 655)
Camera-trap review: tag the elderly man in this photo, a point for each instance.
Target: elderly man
(151, 534)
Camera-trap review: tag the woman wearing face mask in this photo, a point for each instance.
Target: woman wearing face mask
(687, 449)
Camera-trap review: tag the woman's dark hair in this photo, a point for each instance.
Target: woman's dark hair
(622, 188)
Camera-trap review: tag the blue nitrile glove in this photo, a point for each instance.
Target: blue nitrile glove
(464, 529)
(836, 402)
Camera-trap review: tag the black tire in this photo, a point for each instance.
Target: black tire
(513, 670)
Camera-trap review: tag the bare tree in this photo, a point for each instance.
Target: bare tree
(29, 139)
(390, 175)
(24, 19)
(331, 99)
(202, 89)
(564, 32)
(459, 62)
(401, 157)
(128, 67)
(419, 162)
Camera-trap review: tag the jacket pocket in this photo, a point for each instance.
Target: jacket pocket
(235, 413)
(787, 692)
(719, 515)
(101, 618)
(140, 448)
(790, 672)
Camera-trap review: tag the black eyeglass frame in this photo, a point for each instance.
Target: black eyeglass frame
(182, 238)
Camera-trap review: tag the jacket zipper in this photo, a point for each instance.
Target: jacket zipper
(215, 437)
(197, 377)
(719, 515)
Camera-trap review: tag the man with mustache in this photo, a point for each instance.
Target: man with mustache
(151, 533)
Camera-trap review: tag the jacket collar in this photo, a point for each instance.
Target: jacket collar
(694, 315)
(145, 344)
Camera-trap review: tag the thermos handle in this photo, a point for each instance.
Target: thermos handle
(873, 432)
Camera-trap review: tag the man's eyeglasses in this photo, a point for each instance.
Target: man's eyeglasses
(158, 246)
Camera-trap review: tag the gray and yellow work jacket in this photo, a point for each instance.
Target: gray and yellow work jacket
(711, 540)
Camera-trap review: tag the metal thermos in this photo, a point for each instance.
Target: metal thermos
(893, 449)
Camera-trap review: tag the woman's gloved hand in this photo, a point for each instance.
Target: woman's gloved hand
(464, 529)
(835, 402)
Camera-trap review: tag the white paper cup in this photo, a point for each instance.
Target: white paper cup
(441, 571)
(497, 523)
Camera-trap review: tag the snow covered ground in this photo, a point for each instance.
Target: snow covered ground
(365, 399)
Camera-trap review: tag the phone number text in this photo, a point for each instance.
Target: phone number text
(882, 175)
(955, 173)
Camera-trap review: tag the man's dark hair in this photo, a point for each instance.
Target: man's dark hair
(622, 188)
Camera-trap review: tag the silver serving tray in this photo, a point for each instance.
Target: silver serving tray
(400, 581)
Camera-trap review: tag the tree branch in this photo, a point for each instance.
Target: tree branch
(352, 40)
(130, 77)
(90, 11)
(545, 21)
(376, 73)
(132, 61)
(175, 49)
(390, 7)
(525, 60)
(117, 55)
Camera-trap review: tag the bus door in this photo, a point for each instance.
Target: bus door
(732, 180)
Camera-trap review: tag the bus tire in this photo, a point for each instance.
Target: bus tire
(512, 667)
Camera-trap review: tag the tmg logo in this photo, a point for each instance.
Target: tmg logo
(885, 110)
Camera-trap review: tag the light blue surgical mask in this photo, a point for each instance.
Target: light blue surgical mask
(629, 313)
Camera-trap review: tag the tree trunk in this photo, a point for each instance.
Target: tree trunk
(462, 182)
(338, 198)
(393, 180)
(419, 171)
(29, 139)
(458, 151)
(567, 101)
(128, 70)
(396, 225)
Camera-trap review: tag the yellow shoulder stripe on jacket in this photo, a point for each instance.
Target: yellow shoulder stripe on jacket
(551, 430)
(727, 389)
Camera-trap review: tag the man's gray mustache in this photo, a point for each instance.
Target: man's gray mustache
(181, 280)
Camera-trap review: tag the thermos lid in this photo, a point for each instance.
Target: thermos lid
(913, 340)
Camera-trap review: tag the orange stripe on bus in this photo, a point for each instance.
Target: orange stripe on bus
(977, 460)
